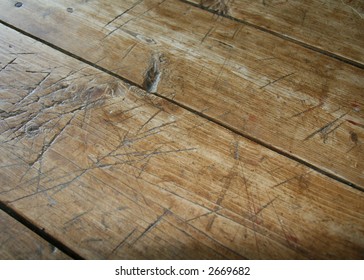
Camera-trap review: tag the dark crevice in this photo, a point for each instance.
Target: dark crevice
(282, 36)
(40, 232)
(218, 122)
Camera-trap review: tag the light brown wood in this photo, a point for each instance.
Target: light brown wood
(114, 172)
(19, 243)
(333, 26)
(280, 94)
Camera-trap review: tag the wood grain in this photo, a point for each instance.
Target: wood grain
(19, 243)
(115, 172)
(286, 97)
(332, 26)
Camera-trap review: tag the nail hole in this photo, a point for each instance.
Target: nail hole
(70, 10)
(32, 130)
(18, 4)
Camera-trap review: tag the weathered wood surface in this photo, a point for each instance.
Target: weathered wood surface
(333, 26)
(19, 243)
(113, 172)
(276, 92)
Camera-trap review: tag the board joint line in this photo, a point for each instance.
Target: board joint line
(40, 232)
(282, 36)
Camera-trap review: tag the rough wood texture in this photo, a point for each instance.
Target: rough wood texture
(276, 92)
(114, 172)
(335, 26)
(19, 243)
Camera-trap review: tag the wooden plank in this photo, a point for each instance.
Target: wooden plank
(19, 243)
(114, 172)
(334, 26)
(294, 100)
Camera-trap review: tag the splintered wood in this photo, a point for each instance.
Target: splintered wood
(301, 103)
(112, 171)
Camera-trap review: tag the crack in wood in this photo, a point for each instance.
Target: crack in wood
(153, 74)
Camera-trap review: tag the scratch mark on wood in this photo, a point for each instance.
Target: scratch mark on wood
(353, 9)
(207, 34)
(325, 128)
(146, 154)
(60, 186)
(223, 43)
(54, 138)
(139, 36)
(75, 218)
(122, 243)
(160, 126)
(203, 215)
(325, 136)
(262, 208)
(307, 110)
(220, 72)
(355, 123)
(37, 72)
(276, 80)
(149, 120)
(280, 222)
(199, 73)
(207, 236)
(285, 181)
(236, 150)
(143, 168)
(304, 13)
(128, 52)
(232, 174)
(9, 63)
(267, 58)
(236, 32)
(126, 11)
(153, 225)
(134, 18)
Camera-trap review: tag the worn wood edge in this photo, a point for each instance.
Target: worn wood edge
(216, 121)
(39, 231)
(280, 35)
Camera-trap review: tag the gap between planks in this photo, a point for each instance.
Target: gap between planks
(201, 114)
(40, 232)
(279, 35)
